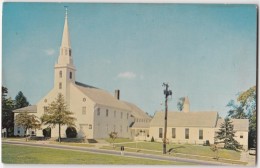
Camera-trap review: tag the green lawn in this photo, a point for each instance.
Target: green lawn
(185, 149)
(16, 154)
(72, 144)
(119, 140)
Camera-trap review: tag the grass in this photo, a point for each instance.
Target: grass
(118, 140)
(16, 154)
(72, 144)
(184, 151)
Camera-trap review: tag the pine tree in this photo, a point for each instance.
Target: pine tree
(20, 100)
(7, 114)
(58, 114)
(226, 135)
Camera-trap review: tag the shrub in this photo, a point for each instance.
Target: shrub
(152, 140)
(71, 132)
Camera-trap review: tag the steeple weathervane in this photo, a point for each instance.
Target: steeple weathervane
(66, 12)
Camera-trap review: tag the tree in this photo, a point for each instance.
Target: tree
(20, 100)
(27, 121)
(226, 135)
(248, 103)
(7, 114)
(58, 114)
(236, 111)
(113, 136)
(180, 103)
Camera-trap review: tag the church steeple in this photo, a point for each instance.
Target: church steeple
(64, 68)
(65, 57)
(66, 36)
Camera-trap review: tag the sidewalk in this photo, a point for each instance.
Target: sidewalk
(250, 159)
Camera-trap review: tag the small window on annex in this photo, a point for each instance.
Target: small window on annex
(107, 112)
(187, 133)
(173, 132)
(98, 111)
(160, 132)
(90, 126)
(200, 134)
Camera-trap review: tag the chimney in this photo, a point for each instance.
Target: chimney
(117, 94)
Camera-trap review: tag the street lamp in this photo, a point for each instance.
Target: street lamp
(166, 93)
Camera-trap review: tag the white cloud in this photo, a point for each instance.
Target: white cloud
(49, 51)
(126, 75)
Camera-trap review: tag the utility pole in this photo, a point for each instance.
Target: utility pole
(166, 93)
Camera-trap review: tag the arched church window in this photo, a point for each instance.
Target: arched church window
(60, 74)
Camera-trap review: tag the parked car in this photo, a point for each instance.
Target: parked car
(252, 151)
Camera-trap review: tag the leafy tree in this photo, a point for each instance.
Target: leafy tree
(7, 114)
(248, 103)
(27, 121)
(113, 136)
(58, 114)
(226, 135)
(180, 103)
(236, 111)
(20, 100)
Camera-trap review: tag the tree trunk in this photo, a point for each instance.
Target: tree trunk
(59, 134)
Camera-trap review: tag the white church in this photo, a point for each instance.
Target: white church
(98, 112)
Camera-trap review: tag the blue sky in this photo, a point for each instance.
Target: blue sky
(205, 52)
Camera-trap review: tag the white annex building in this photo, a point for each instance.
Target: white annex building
(98, 112)
(195, 127)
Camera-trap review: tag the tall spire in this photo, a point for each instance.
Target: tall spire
(66, 36)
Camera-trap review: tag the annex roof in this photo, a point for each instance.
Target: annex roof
(239, 124)
(190, 119)
(29, 109)
(140, 125)
(102, 97)
(136, 111)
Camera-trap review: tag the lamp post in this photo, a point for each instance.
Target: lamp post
(167, 93)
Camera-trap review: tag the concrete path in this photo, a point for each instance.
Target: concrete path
(118, 153)
(250, 159)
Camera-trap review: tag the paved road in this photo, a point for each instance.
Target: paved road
(111, 152)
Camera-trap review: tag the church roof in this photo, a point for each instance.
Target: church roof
(136, 111)
(239, 124)
(102, 97)
(181, 119)
(29, 109)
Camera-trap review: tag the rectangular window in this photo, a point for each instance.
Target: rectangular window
(186, 133)
(60, 85)
(90, 126)
(241, 136)
(84, 110)
(160, 132)
(98, 111)
(121, 115)
(200, 134)
(173, 132)
(107, 112)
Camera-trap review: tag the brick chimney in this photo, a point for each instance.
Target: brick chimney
(117, 94)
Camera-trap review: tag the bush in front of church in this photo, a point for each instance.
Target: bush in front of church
(71, 132)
